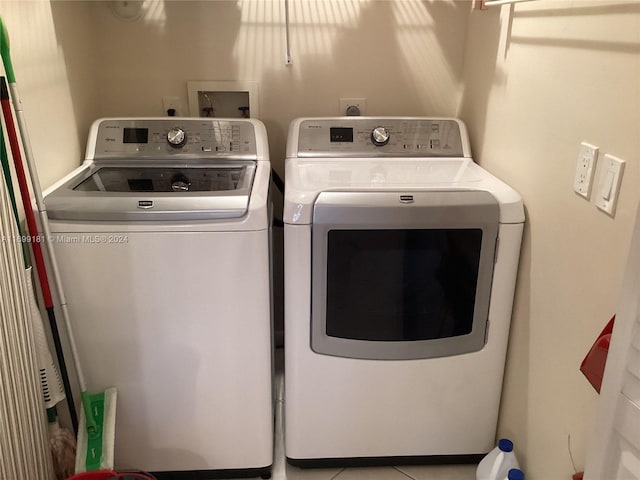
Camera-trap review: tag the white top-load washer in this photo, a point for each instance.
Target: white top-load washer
(401, 256)
(163, 241)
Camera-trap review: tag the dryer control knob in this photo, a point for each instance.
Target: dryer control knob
(177, 137)
(380, 136)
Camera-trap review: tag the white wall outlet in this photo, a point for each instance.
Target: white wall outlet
(585, 169)
(172, 103)
(347, 106)
(609, 187)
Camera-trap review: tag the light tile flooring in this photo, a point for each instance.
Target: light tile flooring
(283, 471)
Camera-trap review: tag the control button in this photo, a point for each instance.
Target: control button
(380, 136)
(177, 137)
(180, 183)
(206, 149)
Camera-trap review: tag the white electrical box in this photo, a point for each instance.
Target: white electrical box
(223, 99)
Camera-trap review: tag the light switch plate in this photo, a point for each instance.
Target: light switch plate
(609, 185)
(585, 169)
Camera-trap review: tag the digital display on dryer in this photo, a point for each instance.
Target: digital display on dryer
(341, 134)
(135, 135)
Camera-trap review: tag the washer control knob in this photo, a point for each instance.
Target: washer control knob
(380, 136)
(177, 137)
(180, 183)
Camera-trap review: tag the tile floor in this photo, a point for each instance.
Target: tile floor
(283, 471)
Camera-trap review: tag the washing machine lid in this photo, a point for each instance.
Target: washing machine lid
(307, 178)
(165, 168)
(129, 191)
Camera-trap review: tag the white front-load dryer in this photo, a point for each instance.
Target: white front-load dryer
(401, 256)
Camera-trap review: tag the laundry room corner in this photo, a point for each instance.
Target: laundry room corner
(530, 82)
(539, 79)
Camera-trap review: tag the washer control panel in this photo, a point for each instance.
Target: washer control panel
(171, 137)
(363, 136)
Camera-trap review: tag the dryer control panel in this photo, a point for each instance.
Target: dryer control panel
(393, 137)
(172, 137)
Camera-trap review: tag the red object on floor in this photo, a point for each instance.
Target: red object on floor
(95, 475)
(577, 476)
(593, 364)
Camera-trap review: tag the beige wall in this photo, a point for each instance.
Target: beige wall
(539, 79)
(54, 99)
(404, 57)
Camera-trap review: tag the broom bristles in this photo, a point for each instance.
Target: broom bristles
(63, 449)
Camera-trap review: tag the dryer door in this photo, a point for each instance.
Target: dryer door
(402, 275)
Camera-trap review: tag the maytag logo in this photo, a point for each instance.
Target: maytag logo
(406, 198)
(145, 204)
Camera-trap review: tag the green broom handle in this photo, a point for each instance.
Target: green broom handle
(4, 159)
(6, 53)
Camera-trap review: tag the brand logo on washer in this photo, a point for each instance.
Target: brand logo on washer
(406, 198)
(145, 204)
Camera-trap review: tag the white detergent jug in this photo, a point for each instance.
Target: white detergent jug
(497, 463)
(515, 474)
